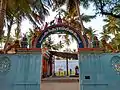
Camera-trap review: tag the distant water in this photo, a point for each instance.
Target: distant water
(62, 64)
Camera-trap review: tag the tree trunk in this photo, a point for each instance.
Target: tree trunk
(2, 14)
(67, 66)
(81, 23)
(8, 33)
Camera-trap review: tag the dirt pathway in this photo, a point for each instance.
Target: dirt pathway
(60, 84)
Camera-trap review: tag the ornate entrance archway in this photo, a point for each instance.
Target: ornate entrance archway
(60, 28)
(22, 71)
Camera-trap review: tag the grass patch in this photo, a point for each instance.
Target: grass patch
(64, 73)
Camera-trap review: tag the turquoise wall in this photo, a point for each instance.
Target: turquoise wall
(20, 71)
(99, 71)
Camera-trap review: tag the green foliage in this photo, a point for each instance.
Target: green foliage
(87, 18)
(116, 41)
(70, 4)
(112, 28)
(17, 10)
(50, 44)
(105, 35)
(104, 7)
(34, 10)
(107, 7)
(112, 25)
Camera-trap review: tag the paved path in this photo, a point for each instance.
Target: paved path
(60, 84)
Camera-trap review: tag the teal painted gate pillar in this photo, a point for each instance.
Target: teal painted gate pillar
(20, 71)
(99, 70)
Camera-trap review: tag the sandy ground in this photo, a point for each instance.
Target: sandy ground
(59, 85)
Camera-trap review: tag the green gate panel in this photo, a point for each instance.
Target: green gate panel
(99, 71)
(20, 71)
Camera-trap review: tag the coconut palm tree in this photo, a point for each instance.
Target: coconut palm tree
(49, 43)
(2, 14)
(73, 20)
(9, 22)
(34, 10)
(117, 41)
(14, 12)
(112, 25)
(2, 41)
(105, 34)
(73, 9)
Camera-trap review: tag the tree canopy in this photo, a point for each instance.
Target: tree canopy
(104, 7)
(34, 10)
(107, 7)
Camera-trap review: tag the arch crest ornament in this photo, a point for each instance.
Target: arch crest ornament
(59, 28)
(5, 64)
(116, 63)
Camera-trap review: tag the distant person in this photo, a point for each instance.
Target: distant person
(76, 70)
(70, 71)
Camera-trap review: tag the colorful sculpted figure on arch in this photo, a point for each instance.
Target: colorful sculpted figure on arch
(13, 46)
(24, 42)
(60, 25)
(56, 25)
(95, 42)
(107, 46)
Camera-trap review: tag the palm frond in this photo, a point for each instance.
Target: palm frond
(32, 20)
(85, 3)
(87, 18)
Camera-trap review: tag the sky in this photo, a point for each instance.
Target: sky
(95, 23)
(62, 64)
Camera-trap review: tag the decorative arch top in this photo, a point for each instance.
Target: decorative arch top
(60, 28)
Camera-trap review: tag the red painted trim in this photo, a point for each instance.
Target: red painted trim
(58, 25)
(29, 49)
(90, 49)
